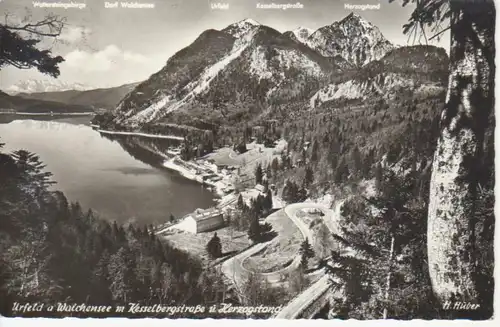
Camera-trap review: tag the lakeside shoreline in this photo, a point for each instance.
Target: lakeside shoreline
(216, 187)
(181, 169)
(218, 180)
(159, 136)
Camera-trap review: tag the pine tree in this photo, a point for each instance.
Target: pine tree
(32, 171)
(240, 204)
(258, 174)
(275, 166)
(306, 251)
(120, 269)
(357, 163)
(254, 231)
(354, 281)
(378, 172)
(309, 177)
(20, 41)
(314, 152)
(342, 172)
(268, 204)
(269, 173)
(214, 247)
(297, 281)
(100, 279)
(290, 192)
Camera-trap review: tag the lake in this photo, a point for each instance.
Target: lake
(119, 177)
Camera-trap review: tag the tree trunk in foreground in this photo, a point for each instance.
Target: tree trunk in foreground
(457, 168)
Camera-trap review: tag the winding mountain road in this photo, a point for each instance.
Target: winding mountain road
(308, 297)
(314, 295)
(233, 268)
(295, 307)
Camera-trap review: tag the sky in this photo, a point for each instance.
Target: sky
(106, 47)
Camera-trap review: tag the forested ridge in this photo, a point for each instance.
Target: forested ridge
(52, 251)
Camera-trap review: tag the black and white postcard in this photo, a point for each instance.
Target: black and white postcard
(247, 159)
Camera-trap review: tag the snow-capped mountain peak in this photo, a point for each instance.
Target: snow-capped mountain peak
(37, 86)
(241, 28)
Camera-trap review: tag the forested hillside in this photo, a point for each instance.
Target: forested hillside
(104, 98)
(51, 251)
(347, 141)
(17, 103)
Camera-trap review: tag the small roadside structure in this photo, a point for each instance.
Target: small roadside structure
(201, 221)
(260, 188)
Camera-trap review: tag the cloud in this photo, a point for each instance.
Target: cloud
(73, 34)
(107, 59)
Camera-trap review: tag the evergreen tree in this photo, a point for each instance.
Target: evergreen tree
(378, 172)
(121, 270)
(214, 247)
(268, 204)
(314, 152)
(254, 231)
(306, 251)
(309, 177)
(297, 281)
(275, 166)
(58, 247)
(354, 281)
(258, 174)
(269, 173)
(100, 280)
(19, 44)
(342, 172)
(357, 163)
(240, 204)
(290, 191)
(32, 171)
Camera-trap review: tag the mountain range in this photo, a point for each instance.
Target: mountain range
(238, 73)
(36, 86)
(15, 103)
(244, 69)
(75, 99)
(97, 99)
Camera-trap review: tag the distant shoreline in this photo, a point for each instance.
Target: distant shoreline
(88, 113)
(159, 136)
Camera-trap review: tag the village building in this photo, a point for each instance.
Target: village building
(261, 188)
(202, 221)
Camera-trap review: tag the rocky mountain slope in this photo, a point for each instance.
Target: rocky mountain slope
(352, 38)
(245, 63)
(106, 98)
(243, 70)
(420, 70)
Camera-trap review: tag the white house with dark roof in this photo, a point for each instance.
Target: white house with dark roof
(201, 221)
